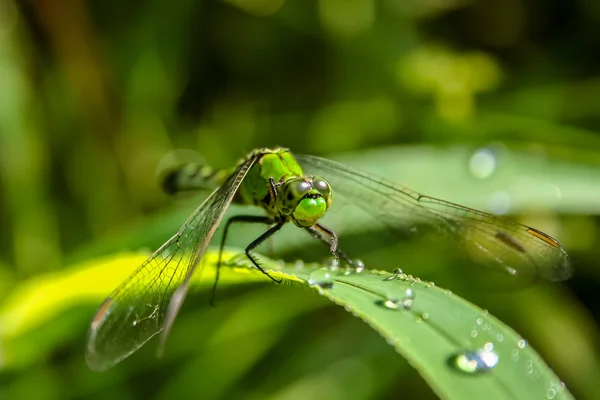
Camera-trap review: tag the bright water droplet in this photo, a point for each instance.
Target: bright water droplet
(409, 299)
(335, 264)
(406, 301)
(391, 304)
(395, 275)
(522, 343)
(321, 278)
(358, 265)
(473, 362)
(511, 271)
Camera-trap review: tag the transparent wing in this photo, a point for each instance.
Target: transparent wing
(148, 301)
(514, 248)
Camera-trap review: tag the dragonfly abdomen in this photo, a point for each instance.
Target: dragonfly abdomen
(193, 177)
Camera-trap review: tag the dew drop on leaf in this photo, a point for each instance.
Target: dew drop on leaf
(395, 275)
(396, 301)
(358, 265)
(321, 278)
(473, 362)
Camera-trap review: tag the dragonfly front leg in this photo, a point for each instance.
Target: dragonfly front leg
(258, 241)
(317, 232)
(237, 218)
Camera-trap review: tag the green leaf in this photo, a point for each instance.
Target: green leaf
(427, 325)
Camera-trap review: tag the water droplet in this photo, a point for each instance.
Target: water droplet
(479, 321)
(555, 389)
(299, 264)
(448, 291)
(409, 299)
(521, 343)
(321, 278)
(430, 284)
(515, 354)
(511, 271)
(482, 163)
(422, 317)
(335, 264)
(359, 266)
(476, 361)
(391, 304)
(405, 302)
(395, 275)
(529, 367)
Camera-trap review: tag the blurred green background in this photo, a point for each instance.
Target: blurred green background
(492, 104)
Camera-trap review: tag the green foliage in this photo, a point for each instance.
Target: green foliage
(429, 326)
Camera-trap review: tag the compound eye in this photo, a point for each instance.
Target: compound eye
(291, 193)
(323, 187)
(297, 188)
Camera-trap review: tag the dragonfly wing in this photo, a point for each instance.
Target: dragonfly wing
(515, 248)
(148, 301)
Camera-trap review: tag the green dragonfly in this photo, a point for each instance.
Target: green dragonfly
(298, 189)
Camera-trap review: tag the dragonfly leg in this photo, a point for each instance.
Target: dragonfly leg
(237, 218)
(317, 231)
(258, 241)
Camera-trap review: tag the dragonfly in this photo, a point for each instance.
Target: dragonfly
(297, 189)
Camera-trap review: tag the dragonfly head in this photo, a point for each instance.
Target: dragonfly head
(305, 199)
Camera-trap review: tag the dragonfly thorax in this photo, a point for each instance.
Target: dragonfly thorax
(304, 199)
